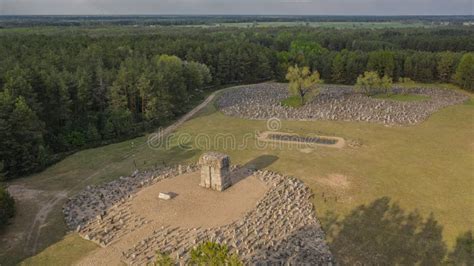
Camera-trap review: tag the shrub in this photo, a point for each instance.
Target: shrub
(370, 83)
(406, 83)
(163, 259)
(7, 206)
(75, 139)
(213, 254)
(292, 101)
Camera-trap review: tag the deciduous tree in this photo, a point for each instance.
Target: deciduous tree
(302, 82)
(370, 83)
(465, 72)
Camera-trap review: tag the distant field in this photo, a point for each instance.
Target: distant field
(427, 167)
(337, 25)
(154, 28)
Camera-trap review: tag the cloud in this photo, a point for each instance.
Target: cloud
(263, 7)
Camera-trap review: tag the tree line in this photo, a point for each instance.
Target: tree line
(7, 207)
(165, 20)
(60, 92)
(343, 67)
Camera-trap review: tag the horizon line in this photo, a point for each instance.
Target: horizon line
(256, 15)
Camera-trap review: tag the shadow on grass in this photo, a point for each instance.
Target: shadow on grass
(247, 169)
(463, 252)
(382, 233)
(177, 154)
(261, 162)
(305, 246)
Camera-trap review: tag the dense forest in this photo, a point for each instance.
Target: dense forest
(62, 92)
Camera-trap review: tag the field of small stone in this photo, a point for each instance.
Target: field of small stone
(425, 167)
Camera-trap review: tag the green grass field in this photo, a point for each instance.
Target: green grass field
(428, 168)
(70, 249)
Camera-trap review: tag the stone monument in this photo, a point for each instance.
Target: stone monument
(215, 171)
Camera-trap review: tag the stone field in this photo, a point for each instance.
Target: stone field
(262, 102)
(277, 226)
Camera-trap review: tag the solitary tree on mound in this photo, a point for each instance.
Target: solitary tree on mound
(303, 82)
(370, 83)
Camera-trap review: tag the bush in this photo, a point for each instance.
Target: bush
(213, 254)
(292, 101)
(163, 259)
(75, 139)
(406, 83)
(370, 83)
(7, 206)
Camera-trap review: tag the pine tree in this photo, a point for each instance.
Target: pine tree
(446, 66)
(17, 84)
(338, 74)
(21, 136)
(382, 62)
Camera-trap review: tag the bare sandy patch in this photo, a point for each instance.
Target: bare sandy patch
(306, 150)
(20, 192)
(336, 181)
(194, 206)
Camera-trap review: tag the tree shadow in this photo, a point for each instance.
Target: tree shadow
(261, 162)
(177, 154)
(382, 233)
(463, 252)
(305, 246)
(250, 167)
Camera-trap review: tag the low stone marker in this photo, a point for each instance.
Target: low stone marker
(165, 196)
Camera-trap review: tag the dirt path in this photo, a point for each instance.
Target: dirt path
(32, 238)
(54, 199)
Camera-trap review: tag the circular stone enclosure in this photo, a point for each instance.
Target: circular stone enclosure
(343, 103)
(263, 217)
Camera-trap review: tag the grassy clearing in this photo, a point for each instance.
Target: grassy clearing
(65, 252)
(401, 97)
(427, 167)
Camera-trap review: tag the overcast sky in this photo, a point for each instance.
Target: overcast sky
(256, 7)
